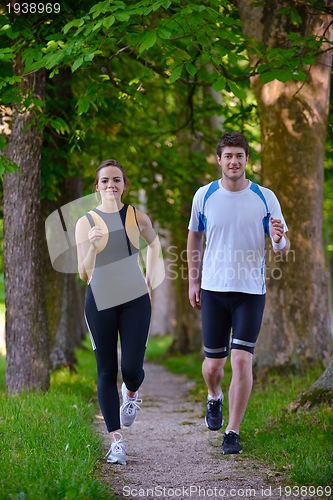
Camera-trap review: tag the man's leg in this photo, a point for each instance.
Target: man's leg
(240, 387)
(213, 372)
(216, 324)
(239, 394)
(246, 321)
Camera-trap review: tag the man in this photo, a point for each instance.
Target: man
(235, 215)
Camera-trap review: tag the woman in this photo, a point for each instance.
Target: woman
(118, 297)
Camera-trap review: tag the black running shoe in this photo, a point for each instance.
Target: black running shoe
(214, 419)
(230, 444)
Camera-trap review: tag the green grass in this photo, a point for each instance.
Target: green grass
(49, 448)
(157, 346)
(299, 445)
(2, 289)
(2, 322)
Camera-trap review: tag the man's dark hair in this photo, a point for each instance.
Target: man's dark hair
(233, 140)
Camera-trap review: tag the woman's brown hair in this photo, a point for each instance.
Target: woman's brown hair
(110, 163)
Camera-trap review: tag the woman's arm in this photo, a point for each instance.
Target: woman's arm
(153, 264)
(87, 240)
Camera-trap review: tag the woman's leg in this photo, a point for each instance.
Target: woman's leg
(134, 321)
(103, 327)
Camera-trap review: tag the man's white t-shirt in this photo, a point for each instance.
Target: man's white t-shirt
(235, 252)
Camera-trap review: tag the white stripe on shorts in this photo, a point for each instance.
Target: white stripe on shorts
(243, 342)
(220, 349)
(90, 334)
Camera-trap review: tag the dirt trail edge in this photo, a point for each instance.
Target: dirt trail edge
(172, 454)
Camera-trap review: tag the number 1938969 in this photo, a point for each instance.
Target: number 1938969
(33, 8)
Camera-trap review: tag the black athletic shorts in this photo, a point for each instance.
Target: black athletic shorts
(230, 320)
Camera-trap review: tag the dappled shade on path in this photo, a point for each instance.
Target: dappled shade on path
(172, 454)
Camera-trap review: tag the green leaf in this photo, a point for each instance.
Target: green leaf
(205, 57)
(12, 34)
(183, 54)
(157, 5)
(90, 55)
(100, 7)
(89, 28)
(108, 21)
(286, 75)
(3, 141)
(5, 55)
(237, 91)
(8, 165)
(219, 85)
(59, 125)
(83, 104)
(76, 22)
(55, 36)
(122, 16)
(300, 76)
(282, 75)
(52, 61)
(77, 64)
(164, 33)
(176, 74)
(149, 41)
(293, 36)
(11, 95)
(37, 102)
(198, 8)
(98, 25)
(295, 17)
(191, 69)
(216, 60)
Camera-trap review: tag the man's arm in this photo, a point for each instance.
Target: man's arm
(280, 242)
(194, 258)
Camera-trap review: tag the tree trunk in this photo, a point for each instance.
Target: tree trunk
(188, 330)
(187, 336)
(296, 324)
(320, 392)
(163, 300)
(26, 323)
(64, 293)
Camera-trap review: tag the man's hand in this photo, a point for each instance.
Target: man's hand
(276, 229)
(280, 242)
(195, 295)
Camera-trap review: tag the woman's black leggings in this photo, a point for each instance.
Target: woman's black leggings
(131, 320)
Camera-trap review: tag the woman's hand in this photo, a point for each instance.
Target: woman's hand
(95, 235)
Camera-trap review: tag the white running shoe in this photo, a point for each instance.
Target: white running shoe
(117, 451)
(129, 407)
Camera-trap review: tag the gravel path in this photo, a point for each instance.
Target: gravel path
(172, 454)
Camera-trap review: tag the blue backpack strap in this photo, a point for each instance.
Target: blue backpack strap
(265, 221)
(202, 218)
